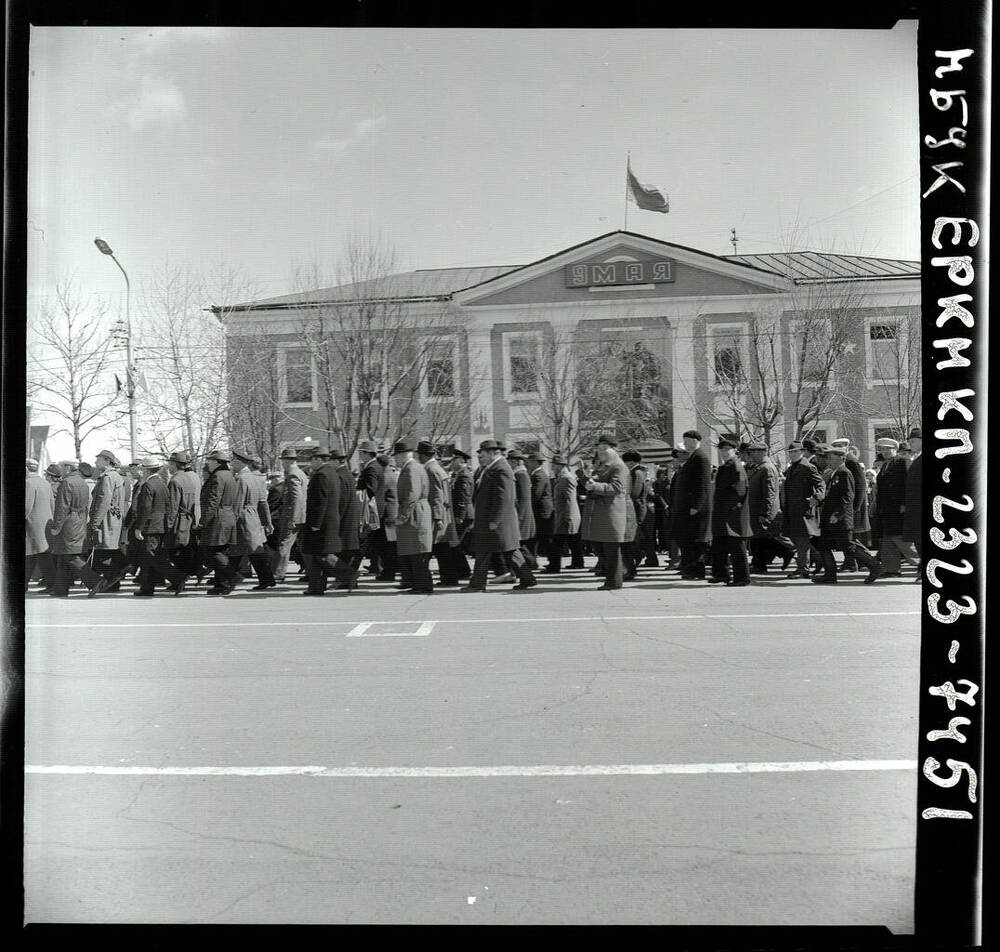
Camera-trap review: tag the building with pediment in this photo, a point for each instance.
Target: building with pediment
(710, 323)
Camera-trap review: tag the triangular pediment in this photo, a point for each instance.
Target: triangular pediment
(621, 265)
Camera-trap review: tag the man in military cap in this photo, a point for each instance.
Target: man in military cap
(496, 531)
(764, 507)
(291, 514)
(803, 491)
(183, 513)
(67, 531)
(104, 525)
(566, 513)
(890, 513)
(414, 521)
(37, 513)
(542, 507)
(691, 506)
(253, 519)
(862, 523)
(608, 517)
(913, 507)
(218, 521)
(320, 539)
(730, 519)
(148, 530)
(462, 511)
(836, 522)
(442, 517)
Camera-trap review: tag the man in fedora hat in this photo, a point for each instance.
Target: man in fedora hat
(253, 518)
(37, 513)
(607, 521)
(148, 530)
(104, 525)
(291, 516)
(320, 539)
(442, 518)
(803, 491)
(462, 511)
(371, 481)
(218, 521)
(542, 507)
(639, 492)
(67, 530)
(862, 521)
(890, 513)
(496, 529)
(414, 522)
(764, 508)
(525, 512)
(691, 506)
(730, 519)
(183, 513)
(387, 550)
(347, 565)
(565, 513)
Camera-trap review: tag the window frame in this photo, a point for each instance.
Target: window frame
(283, 349)
(506, 341)
(870, 322)
(717, 330)
(456, 370)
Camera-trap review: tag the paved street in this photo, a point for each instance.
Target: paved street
(672, 753)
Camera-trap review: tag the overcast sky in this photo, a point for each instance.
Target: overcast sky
(264, 149)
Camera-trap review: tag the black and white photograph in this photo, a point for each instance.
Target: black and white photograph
(522, 349)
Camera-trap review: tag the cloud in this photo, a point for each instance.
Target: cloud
(338, 145)
(154, 102)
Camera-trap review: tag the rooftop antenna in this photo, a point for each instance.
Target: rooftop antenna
(734, 239)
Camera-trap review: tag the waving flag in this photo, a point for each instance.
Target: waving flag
(648, 197)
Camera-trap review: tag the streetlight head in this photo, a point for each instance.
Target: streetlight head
(103, 246)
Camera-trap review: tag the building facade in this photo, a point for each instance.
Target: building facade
(622, 332)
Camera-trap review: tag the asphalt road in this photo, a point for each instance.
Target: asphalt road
(672, 753)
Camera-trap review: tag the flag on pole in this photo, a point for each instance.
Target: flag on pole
(648, 197)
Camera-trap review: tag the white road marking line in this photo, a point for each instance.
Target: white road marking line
(543, 770)
(361, 631)
(462, 621)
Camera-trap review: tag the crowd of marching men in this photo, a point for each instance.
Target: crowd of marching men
(165, 523)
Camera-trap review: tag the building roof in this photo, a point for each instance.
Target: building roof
(813, 266)
(439, 284)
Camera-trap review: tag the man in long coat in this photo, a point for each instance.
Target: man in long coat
(764, 505)
(566, 513)
(837, 522)
(525, 513)
(542, 507)
(577, 547)
(320, 540)
(691, 506)
(914, 512)
(149, 527)
(730, 519)
(371, 481)
(37, 513)
(183, 512)
(67, 531)
(414, 523)
(462, 511)
(497, 529)
(862, 522)
(390, 555)
(890, 503)
(291, 515)
(639, 501)
(661, 505)
(608, 490)
(347, 566)
(218, 521)
(104, 524)
(253, 519)
(803, 491)
(443, 519)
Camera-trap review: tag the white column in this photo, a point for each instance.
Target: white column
(481, 377)
(683, 375)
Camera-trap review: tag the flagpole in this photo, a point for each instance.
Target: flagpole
(628, 165)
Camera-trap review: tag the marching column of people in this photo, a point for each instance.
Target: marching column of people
(406, 505)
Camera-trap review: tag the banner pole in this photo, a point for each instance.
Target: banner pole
(628, 165)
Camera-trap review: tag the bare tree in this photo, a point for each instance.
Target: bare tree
(71, 360)
(254, 414)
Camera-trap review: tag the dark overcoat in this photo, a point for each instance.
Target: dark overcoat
(661, 501)
(838, 504)
(608, 517)
(372, 480)
(914, 516)
(107, 510)
(525, 514)
(692, 490)
(495, 500)
(183, 508)
(37, 513)
(151, 507)
(68, 529)
(461, 496)
(391, 501)
(218, 509)
(414, 526)
(804, 487)
(857, 471)
(566, 514)
(730, 515)
(891, 497)
(541, 494)
(350, 511)
(762, 498)
(321, 535)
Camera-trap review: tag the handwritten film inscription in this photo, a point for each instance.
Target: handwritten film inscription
(606, 273)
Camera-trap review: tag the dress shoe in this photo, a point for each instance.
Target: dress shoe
(385, 578)
(717, 581)
(309, 592)
(404, 588)
(422, 591)
(798, 574)
(873, 573)
(549, 570)
(608, 588)
(629, 578)
(99, 586)
(470, 588)
(178, 587)
(260, 587)
(786, 560)
(143, 594)
(823, 580)
(577, 565)
(506, 577)
(891, 575)
(523, 584)
(739, 584)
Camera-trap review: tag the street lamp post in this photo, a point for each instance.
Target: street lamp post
(105, 249)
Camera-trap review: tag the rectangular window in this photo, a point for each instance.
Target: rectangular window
(522, 365)
(726, 356)
(297, 376)
(884, 352)
(440, 377)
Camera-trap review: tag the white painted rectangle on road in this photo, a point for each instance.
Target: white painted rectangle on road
(364, 630)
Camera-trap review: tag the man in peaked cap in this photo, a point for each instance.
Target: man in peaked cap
(607, 521)
(104, 524)
(691, 506)
(67, 530)
(763, 505)
(414, 522)
(445, 541)
(148, 529)
(183, 513)
(253, 518)
(730, 519)
(525, 512)
(803, 491)
(542, 507)
(320, 540)
(218, 521)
